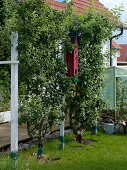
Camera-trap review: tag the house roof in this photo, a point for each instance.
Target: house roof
(116, 46)
(56, 5)
(81, 7)
(123, 53)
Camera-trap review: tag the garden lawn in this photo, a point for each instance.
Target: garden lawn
(108, 152)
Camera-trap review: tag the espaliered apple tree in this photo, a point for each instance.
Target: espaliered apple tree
(41, 30)
(4, 55)
(84, 101)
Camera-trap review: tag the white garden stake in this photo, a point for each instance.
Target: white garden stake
(14, 94)
(62, 113)
(62, 129)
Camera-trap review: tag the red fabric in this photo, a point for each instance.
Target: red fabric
(72, 61)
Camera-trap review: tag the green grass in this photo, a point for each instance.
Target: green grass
(109, 152)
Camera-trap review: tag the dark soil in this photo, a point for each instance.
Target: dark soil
(46, 158)
(88, 141)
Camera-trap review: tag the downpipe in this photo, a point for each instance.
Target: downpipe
(115, 36)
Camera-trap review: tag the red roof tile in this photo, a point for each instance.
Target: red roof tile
(123, 53)
(56, 5)
(80, 5)
(116, 46)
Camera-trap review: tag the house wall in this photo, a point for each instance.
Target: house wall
(115, 57)
(114, 61)
(105, 50)
(5, 116)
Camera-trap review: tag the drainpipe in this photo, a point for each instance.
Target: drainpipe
(111, 64)
(115, 36)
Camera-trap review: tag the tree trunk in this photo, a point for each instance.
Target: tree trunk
(28, 130)
(40, 148)
(79, 138)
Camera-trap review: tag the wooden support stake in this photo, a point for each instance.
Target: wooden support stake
(14, 96)
(62, 129)
(62, 113)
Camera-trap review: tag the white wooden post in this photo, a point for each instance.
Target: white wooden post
(62, 129)
(62, 113)
(14, 95)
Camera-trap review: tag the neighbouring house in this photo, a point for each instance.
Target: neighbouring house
(116, 48)
(122, 60)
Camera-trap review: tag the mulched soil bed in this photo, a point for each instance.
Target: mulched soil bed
(88, 141)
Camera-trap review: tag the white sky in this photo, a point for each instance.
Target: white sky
(113, 3)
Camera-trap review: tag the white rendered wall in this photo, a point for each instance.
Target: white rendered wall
(5, 116)
(114, 61)
(106, 50)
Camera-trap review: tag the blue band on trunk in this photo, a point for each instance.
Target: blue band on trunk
(62, 139)
(40, 151)
(14, 155)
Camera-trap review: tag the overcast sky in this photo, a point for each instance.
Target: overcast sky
(113, 3)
